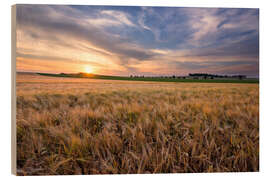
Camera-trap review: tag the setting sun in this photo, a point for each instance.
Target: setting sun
(88, 69)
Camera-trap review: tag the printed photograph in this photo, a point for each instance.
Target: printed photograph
(136, 90)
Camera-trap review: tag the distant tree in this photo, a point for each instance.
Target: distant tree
(242, 77)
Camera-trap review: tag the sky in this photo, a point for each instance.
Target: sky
(150, 41)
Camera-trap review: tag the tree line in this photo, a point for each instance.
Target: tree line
(193, 76)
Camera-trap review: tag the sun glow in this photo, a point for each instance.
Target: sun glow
(88, 69)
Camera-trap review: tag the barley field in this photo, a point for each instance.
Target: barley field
(91, 126)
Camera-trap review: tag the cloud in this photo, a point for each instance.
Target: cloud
(41, 21)
(121, 17)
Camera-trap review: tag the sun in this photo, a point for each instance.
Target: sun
(88, 69)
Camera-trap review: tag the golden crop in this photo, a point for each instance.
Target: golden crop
(82, 126)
